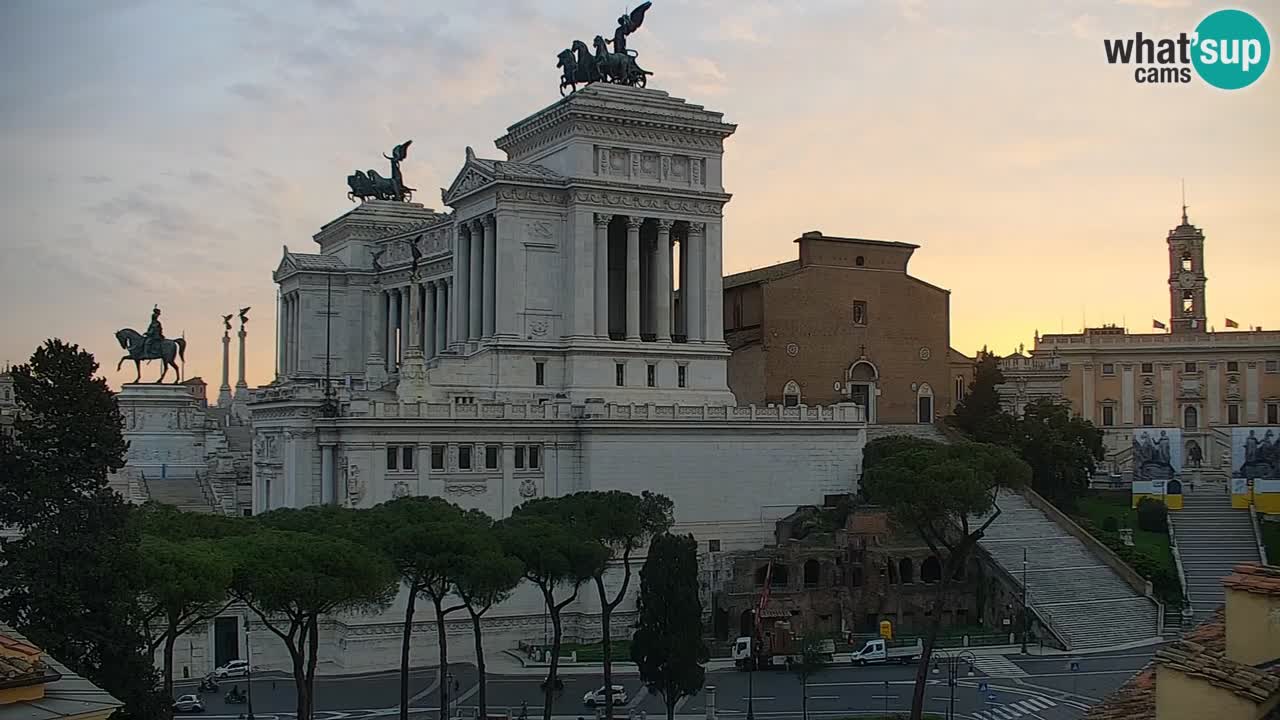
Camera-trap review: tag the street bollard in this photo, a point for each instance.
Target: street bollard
(711, 702)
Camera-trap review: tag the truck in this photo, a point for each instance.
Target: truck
(776, 646)
(886, 651)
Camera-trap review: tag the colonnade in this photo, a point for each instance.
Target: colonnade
(411, 320)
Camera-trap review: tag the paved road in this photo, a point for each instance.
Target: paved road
(1016, 688)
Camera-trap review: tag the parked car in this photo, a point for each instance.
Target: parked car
(235, 668)
(596, 697)
(188, 704)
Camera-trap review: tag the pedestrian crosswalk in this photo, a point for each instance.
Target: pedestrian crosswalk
(1015, 710)
(998, 666)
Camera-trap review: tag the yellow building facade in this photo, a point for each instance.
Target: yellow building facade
(1187, 402)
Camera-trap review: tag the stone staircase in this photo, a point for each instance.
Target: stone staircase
(1075, 592)
(1212, 538)
(185, 493)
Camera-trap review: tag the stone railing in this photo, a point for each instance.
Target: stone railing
(1257, 338)
(1257, 534)
(1177, 561)
(604, 412)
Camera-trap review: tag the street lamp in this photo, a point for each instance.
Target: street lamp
(248, 669)
(751, 669)
(447, 691)
(1024, 601)
(951, 662)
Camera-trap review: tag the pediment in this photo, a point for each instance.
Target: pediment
(472, 176)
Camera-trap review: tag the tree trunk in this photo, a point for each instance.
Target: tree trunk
(300, 678)
(475, 631)
(556, 632)
(931, 637)
(404, 651)
(169, 639)
(445, 690)
(606, 648)
(671, 706)
(313, 656)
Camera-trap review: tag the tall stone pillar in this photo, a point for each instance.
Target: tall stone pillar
(695, 298)
(462, 284)
(475, 298)
(280, 337)
(662, 283)
(403, 320)
(490, 287)
(242, 388)
(633, 277)
(375, 366)
(713, 324)
(224, 390)
(414, 291)
(328, 481)
(393, 313)
(444, 330)
(429, 318)
(509, 285)
(602, 276)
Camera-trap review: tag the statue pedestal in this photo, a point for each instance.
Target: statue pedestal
(413, 378)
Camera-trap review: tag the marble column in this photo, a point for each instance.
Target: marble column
(429, 317)
(224, 390)
(713, 283)
(328, 483)
(695, 298)
(633, 277)
(475, 297)
(490, 288)
(393, 313)
(376, 322)
(293, 332)
(662, 283)
(280, 336)
(461, 285)
(414, 292)
(451, 304)
(241, 386)
(443, 330)
(602, 276)
(403, 321)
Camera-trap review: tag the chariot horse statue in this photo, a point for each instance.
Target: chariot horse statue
(579, 66)
(152, 346)
(369, 184)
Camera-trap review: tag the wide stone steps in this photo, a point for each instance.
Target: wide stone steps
(184, 493)
(1212, 539)
(1082, 598)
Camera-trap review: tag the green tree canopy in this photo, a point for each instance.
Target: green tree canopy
(1062, 450)
(488, 577)
(979, 414)
(667, 645)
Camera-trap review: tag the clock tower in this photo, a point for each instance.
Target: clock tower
(1186, 278)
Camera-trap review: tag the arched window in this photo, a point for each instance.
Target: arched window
(791, 394)
(1190, 418)
(812, 572)
(1186, 260)
(931, 570)
(1188, 302)
(905, 571)
(924, 404)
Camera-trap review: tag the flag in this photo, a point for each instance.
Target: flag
(1232, 323)
(1157, 325)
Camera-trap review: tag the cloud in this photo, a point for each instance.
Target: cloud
(1157, 4)
(95, 179)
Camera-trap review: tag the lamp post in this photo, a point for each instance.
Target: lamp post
(248, 670)
(951, 661)
(886, 698)
(1024, 601)
(751, 670)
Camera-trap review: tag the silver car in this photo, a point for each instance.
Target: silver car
(188, 704)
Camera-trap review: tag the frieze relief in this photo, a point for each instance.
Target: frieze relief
(466, 489)
(631, 201)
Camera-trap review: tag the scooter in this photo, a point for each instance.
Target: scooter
(208, 685)
(235, 698)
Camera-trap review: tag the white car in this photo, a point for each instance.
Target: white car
(235, 668)
(596, 697)
(188, 704)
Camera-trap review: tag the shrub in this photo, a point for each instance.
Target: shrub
(1110, 524)
(1152, 515)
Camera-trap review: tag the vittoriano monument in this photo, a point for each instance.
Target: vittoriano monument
(152, 346)
(619, 66)
(366, 185)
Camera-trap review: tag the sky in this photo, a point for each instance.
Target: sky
(161, 152)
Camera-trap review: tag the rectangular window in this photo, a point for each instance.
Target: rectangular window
(651, 378)
(1233, 414)
(491, 457)
(248, 512)
(959, 389)
(1148, 415)
(1273, 413)
(1148, 368)
(713, 546)
(464, 457)
(393, 457)
(1108, 369)
(539, 373)
(535, 460)
(1108, 415)
(681, 375)
(406, 457)
(437, 457)
(1233, 366)
(1272, 366)
(519, 460)
(1189, 367)
(619, 374)
(860, 313)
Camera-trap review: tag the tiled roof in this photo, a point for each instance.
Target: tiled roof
(1136, 698)
(311, 261)
(65, 693)
(518, 171)
(1213, 666)
(1254, 578)
(773, 272)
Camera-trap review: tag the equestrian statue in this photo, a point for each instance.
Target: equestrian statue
(579, 66)
(152, 346)
(371, 185)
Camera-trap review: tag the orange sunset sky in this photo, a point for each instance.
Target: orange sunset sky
(165, 153)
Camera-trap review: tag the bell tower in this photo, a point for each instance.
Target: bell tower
(1186, 278)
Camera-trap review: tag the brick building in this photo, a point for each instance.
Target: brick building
(834, 575)
(843, 323)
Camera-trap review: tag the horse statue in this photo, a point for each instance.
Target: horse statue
(134, 343)
(579, 67)
(619, 68)
(370, 184)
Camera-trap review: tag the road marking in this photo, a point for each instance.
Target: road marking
(470, 693)
(639, 697)
(681, 702)
(824, 697)
(998, 666)
(758, 698)
(430, 689)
